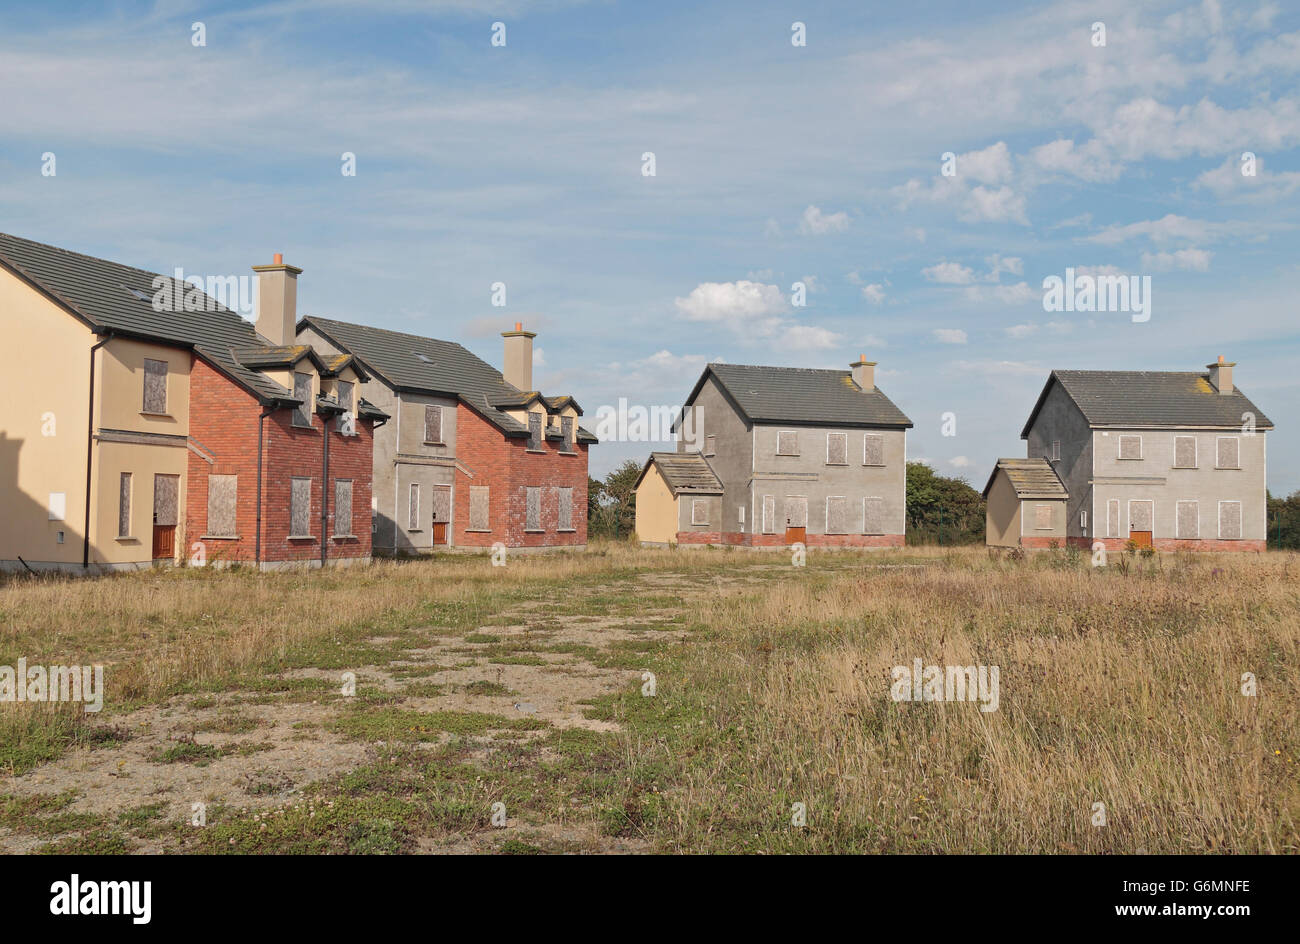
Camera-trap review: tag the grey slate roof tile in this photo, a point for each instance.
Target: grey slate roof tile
(1031, 478)
(685, 472)
(430, 366)
(109, 295)
(805, 396)
(1147, 398)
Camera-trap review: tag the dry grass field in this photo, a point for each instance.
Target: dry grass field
(524, 686)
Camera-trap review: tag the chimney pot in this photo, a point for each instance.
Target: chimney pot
(864, 373)
(517, 369)
(277, 301)
(1221, 375)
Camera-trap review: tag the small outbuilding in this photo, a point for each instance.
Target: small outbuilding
(678, 500)
(1025, 505)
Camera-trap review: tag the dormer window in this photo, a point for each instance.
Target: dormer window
(566, 431)
(535, 431)
(346, 396)
(302, 391)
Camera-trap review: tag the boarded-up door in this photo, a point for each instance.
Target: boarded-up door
(441, 513)
(1141, 515)
(166, 490)
(796, 520)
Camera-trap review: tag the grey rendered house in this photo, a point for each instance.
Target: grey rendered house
(1174, 460)
(771, 456)
(472, 457)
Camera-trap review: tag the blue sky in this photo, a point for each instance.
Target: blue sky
(775, 164)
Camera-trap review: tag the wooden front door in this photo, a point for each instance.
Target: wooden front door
(1140, 538)
(441, 513)
(166, 493)
(796, 519)
(795, 535)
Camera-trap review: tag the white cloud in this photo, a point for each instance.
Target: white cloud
(950, 335)
(1169, 228)
(1063, 157)
(809, 338)
(949, 273)
(874, 293)
(1196, 260)
(999, 264)
(1022, 330)
(1003, 205)
(539, 357)
(1226, 182)
(732, 301)
(959, 462)
(816, 223)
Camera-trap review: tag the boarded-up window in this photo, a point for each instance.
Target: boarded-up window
(1230, 520)
(873, 515)
(1112, 518)
(699, 511)
(1130, 447)
(534, 431)
(155, 386)
(300, 508)
(223, 493)
(433, 424)
(710, 445)
(566, 430)
(342, 507)
(124, 506)
(1140, 515)
(1042, 516)
(837, 515)
(413, 508)
(1229, 453)
(58, 507)
(564, 505)
(1189, 519)
(873, 450)
(796, 512)
(533, 509)
(787, 442)
(302, 391)
(769, 514)
(166, 493)
(837, 448)
(478, 508)
(1184, 452)
(442, 503)
(344, 393)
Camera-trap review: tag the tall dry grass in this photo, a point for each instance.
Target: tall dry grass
(1114, 689)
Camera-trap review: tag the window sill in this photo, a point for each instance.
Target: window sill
(837, 465)
(306, 429)
(432, 442)
(344, 537)
(478, 530)
(566, 530)
(1189, 468)
(164, 416)
(414, 530)
(537, 452)
(1227, 468)
(565, 452)
(787, 455)
(1128, 459)
(534, 530)
(219, 537)
(870, 465)
(127, 539)
(301, 537)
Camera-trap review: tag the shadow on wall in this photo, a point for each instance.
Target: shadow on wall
(26, 529)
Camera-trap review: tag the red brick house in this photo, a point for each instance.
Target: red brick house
(152, 424)
(473, 457)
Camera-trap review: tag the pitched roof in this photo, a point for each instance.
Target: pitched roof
(684, 472)
(1031, 478)
(426, 365)
(1148, 398)
(802, 396)
(109, 296)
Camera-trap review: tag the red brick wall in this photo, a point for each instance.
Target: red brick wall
(506, 467)
(1174, 544)
(223, 423)
(778, 540)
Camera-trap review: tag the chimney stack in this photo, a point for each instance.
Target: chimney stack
(1221, 375)
(277, 301)
(518, 367)
(864, 373)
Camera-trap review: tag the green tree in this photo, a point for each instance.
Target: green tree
(942, 510)
(611, 504)
(1284, 522)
